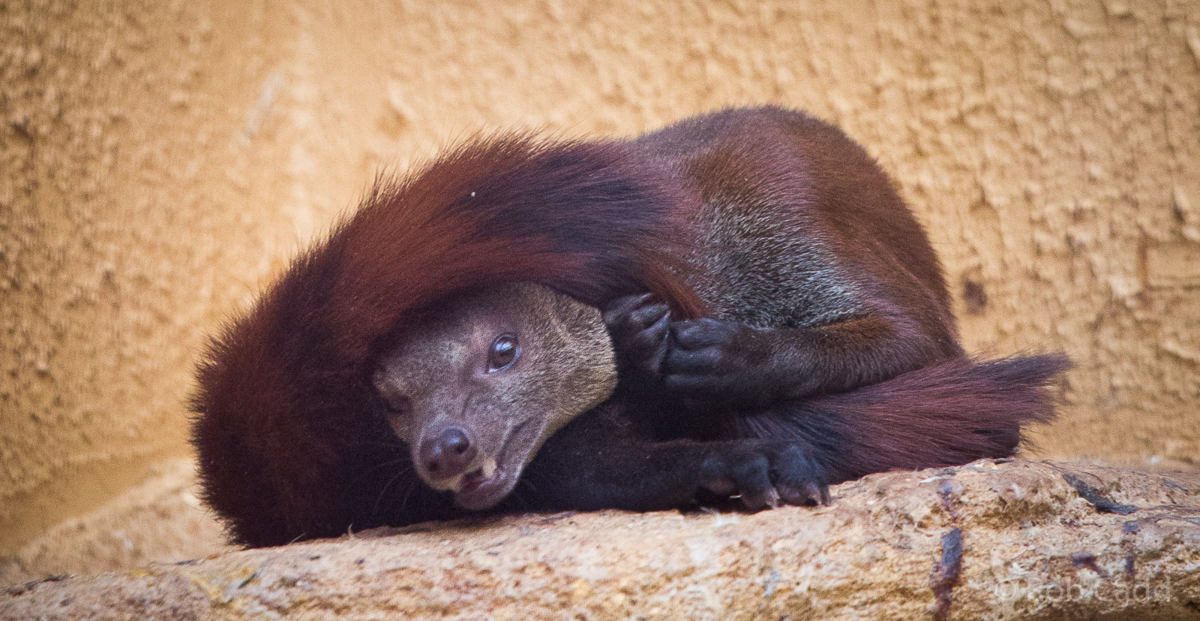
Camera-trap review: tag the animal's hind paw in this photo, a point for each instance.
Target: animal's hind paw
(766, 473)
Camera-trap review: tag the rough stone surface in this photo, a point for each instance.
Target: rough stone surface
(1009, 540)
(159, 161)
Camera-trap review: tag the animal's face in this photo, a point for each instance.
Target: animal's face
(477, 387)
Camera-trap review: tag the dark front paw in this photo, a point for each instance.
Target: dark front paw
(720, 360)
(765, 473)
(638, 325)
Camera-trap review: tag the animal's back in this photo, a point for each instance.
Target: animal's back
(798, 226)
(831, 318)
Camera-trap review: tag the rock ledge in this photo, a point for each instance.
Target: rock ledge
(989, 540)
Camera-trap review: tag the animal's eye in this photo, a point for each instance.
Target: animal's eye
(503, 352)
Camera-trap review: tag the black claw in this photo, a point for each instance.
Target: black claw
(650, 314)
(792, 495)
(765, 499)
(819, 493)
(654, 335)
(623, 306)
(799, 479)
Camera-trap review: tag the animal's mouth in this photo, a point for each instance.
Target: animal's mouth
(488, 484)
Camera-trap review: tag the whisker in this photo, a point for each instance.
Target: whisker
(384, 464)
(412, 487)
(379, 498)
(385, 444)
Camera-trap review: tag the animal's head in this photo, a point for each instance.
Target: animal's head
(477, 384)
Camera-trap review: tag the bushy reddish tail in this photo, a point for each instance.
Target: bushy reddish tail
(284, 400)
(943, 415)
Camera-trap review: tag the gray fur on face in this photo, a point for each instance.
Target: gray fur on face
(437, 376)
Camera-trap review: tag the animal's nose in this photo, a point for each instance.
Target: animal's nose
(449, 454)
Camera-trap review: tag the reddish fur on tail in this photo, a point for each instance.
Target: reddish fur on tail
(283, 392)
(943, 415)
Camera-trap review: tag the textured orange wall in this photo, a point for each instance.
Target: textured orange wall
(159, 160)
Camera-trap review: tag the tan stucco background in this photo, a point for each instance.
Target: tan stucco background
(160, 160)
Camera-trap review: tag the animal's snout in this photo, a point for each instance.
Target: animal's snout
(449, 454)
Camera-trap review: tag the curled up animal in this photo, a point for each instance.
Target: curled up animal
(739, 304)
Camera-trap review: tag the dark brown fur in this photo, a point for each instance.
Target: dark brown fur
(828, 346)
(285, 391)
